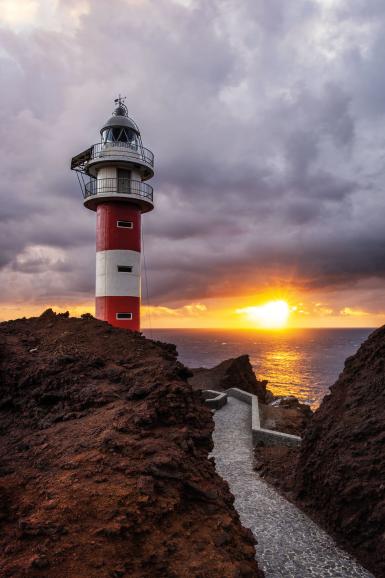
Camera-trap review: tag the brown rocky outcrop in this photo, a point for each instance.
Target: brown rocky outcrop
(277, 465)
(292, 418)
(341, 471)
(234, 372)
(104, 468)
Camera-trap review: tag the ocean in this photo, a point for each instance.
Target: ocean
(300, 362)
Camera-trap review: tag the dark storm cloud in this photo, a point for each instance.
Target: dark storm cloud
(266, 119)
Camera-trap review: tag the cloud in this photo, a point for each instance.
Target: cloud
(353, 312)
(191, 310)
(266, 120)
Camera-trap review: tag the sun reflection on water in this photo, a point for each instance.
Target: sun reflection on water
(283, 366)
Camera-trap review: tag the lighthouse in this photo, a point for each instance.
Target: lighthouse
(112, 174)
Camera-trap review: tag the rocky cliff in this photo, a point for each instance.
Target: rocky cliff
(234, 372)
(104, 468)
(340, 475)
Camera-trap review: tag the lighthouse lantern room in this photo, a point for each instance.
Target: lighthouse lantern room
(118, 168)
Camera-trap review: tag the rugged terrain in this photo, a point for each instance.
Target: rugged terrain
(104, 468)
(338, 475)
(292, 418)
(341, 467)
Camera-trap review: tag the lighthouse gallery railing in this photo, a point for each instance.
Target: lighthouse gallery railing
(119, 148)
(126, 151)
(121, 185)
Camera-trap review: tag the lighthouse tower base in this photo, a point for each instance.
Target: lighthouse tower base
(109, 308)
(118, 244)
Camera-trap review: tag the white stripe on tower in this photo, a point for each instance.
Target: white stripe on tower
(110, 282)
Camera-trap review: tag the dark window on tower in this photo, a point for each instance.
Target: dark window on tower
(126, 316)
(124, 268)
(124, 181)
(125, 224)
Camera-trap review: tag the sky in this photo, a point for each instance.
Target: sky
(267, 121)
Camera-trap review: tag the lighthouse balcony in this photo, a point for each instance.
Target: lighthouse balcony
(115, 152)
(122, 189)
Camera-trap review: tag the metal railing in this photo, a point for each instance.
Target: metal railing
(122, 149)
(119, 186)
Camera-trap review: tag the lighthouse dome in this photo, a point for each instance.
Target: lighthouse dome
(120, 120)
(120, 127)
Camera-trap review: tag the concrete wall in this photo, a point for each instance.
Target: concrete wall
(214, 399)
(268, 437)
(107, 173)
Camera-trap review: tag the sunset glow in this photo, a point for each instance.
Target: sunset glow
(271, 315)
(281, 228)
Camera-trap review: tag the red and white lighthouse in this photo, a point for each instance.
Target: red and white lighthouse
(119, 167)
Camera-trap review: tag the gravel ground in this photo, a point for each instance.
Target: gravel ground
(289, 545)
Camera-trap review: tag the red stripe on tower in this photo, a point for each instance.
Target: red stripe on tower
(118, 226)
(118, 264)
(109, 308)
(118, 166)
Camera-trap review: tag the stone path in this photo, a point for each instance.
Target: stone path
(289, 545)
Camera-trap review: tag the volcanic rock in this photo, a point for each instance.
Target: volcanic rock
(278, 466)
(291, 417)
(341, 471)
(104, 468)
(234, 372)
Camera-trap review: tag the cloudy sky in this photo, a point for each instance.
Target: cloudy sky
(267, 120)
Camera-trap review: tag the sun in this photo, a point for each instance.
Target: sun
(22, 12)
(270, 315)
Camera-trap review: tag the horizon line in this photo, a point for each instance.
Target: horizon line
(270, 330)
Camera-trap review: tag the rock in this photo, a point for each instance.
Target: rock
(40, 562)
(286, 414)
(341, 467)
(277, 465)
(104, 459)
(292, 420)
(222, 539)
(291, 402)
(234, 372)
(87, 316)
(48, 314)
(6, 403)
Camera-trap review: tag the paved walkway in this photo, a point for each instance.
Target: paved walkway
(289, 545)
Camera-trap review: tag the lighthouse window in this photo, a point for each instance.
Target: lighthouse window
(120, 134)
(126, 316)
(123, 136)
(132, 138)
(107, 135)
(116, 133)
(125, 224)
(124, 268)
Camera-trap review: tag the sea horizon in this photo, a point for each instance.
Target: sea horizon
(303, 362)
(255, 329)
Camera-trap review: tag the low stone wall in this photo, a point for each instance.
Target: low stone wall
(269, 437)
(214, 399)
